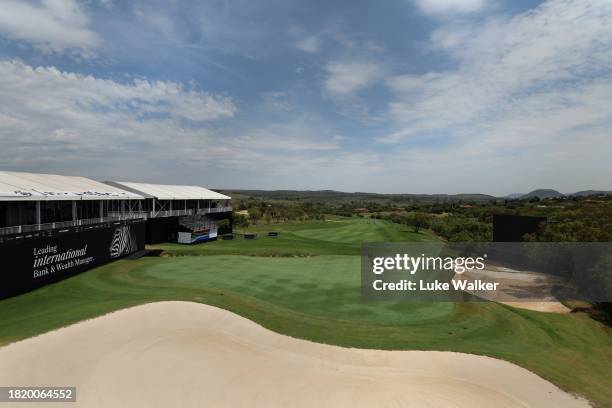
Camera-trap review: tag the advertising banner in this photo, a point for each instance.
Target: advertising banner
(29, 262)
(195, 237)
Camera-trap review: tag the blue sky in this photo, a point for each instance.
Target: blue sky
(415, 96)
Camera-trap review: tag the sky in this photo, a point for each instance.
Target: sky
(395, 96)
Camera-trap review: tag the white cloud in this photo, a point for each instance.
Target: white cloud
(373, 46)
(52, 25)
(158, 21)
(450, 6)
(346, 77)
(528, 102)
(107, 4)
(278, 101)
(47, 87)
(309, 44)
(49, 115)
(524, 100)
(62, 122)
(550, 63)
(295, 136)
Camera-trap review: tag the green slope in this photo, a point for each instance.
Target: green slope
(318, 298)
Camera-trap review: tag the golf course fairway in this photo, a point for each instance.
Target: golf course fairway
(307, 285)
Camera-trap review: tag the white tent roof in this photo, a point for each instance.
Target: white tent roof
(171, 192)
(17, 186)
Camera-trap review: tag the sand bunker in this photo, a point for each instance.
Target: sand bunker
(523, 289)
(181, 354)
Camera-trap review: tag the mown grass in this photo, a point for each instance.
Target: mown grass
(336, 236)
(318, 298)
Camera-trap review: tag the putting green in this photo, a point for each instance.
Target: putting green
(327, 286)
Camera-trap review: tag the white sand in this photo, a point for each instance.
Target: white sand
(181, 354)
(548, 307)
(522, 289)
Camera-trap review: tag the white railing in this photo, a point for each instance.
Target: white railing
(214, 210)
(111, 216)
(174, 213)
(132, 215)
(22, 229)
(170, 213)
(10, 230)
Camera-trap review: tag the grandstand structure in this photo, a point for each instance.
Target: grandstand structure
(176, 213)
(161, 200)
(31, 203)
(53, 226)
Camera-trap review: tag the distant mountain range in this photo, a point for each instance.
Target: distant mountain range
(345, 197)
(587, 193)
(544, 193)
(340, 196)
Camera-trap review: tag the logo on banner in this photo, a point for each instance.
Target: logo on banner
(124, 242)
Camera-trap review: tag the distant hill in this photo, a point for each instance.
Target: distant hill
(399, 199)
(340, 196)
(543, 193)
(587, 193)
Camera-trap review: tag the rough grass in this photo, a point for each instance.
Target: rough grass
(318, 298)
